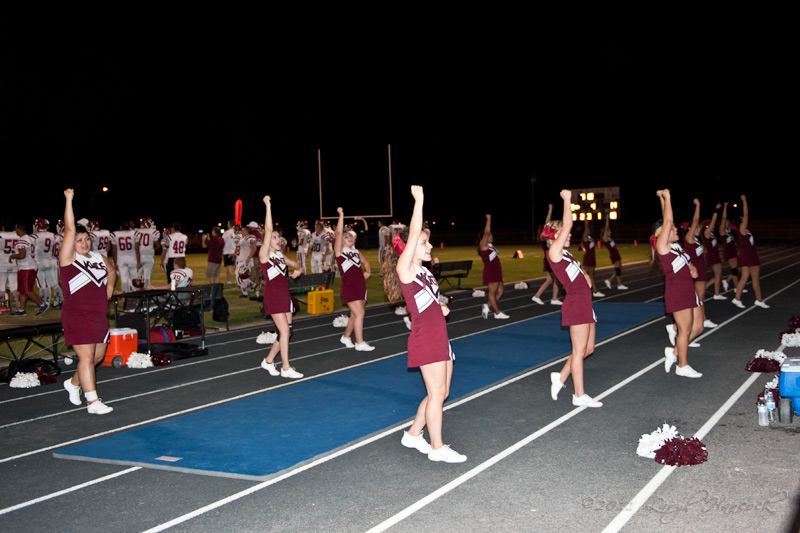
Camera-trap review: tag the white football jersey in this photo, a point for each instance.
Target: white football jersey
(8, 247)
(125, 242)
(147, 241)
(175, 243)
(101, 241)
(44, 244)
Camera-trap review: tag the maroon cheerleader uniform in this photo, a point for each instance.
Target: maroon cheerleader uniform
(712, 251)
(492, 271)
(588, 252)
(613, 253)
(428, 342)
(679, 290)
(695, 252)
(729, 246)
(577, 307)
(83, 314)
(353, 285)
(748, 256)
(276, 285)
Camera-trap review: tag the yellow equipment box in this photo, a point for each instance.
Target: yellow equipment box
(320, 301)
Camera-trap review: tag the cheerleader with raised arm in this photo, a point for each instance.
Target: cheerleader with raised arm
(694, 247)
(428, 346)
(589, 260)
(549, 279)
(577, 312)
(748, 259)
(277, 300)
(680, 298)
(713, 259)
(492, 271)
(730, 252)
(353, 290)
(613, 254)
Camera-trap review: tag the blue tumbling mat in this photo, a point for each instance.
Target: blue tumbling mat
(259, 436)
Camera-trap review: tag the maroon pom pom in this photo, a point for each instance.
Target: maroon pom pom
(794, 322)
(679, 451)
(160, 359)
(763, 364)
(45, 378)
(775, 394)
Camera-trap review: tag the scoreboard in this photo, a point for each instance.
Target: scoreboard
(596, 203)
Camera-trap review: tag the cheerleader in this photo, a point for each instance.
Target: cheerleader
(748, 260)
(613, 254)
(589, 261)
(428, 346)
(353, 290)
(680, 298)
(577, 310)
(492, 271)
(713, 259)
(729, 250)
(549, 279)
(277, 300)
(694, 247)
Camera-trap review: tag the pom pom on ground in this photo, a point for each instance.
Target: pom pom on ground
(648, 444)
(794, 322)
(266, 337)
(139, 360)
(341, 321)
(477, 293)
(24, 380)
(160, 359)
(680, 451)
(521, 285)
(780, 357)
(791, 339)
(763, 364)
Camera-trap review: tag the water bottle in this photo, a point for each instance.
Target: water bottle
(763, 415)
(173, 285)
(769, 400)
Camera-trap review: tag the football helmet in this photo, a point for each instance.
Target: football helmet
(60, 226)
(146, 222)
(93, 225)
(243, 272)
(138, 282)
(41, 224)
(302, 224)
(167, 231)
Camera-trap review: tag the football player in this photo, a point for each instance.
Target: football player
(148, 237)
(303, 243)
(45, 246)
(127, 256)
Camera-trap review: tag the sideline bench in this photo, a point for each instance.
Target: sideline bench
(32, 333)
(309, 282)
(452, 269)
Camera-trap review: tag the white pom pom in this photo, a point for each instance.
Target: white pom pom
(773, 384)
(341, 321)
(521, 285)
(791, 339)
(780, 357)
(266, 337)
(477, 293)
(648, 444)
(139, 360)
(24, 380)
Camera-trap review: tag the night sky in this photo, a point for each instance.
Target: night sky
(180, 123)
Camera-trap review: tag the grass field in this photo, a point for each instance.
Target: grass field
(244, 311)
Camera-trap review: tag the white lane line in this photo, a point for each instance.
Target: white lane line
(636, 503)
(67, 490)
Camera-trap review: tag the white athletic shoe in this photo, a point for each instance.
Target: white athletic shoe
(364, 347)
(622, 288)
(598, 294)
(407, 322)
(270, 367)
(485, 311)
(555, 385)
(737, 303)
(608, 284)
(537, 300)
(719, 297)
(673, 334)
(74, 392)
(761, 304)
(347, 342)
(694, 345)
(291, 373)
(98, 408)
(687, 372)
(709, 324)
(585, 401)
(725, 285)
(418, 443)
(669, 359)
(401, 311)
(556, 302)
(446, 454)
(501, 315)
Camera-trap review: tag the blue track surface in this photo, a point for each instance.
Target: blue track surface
(265, 434)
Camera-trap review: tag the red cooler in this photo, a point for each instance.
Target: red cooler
(122, 342)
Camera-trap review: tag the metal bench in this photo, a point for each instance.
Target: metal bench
(452, 269)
